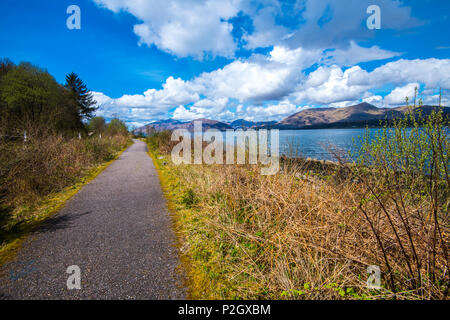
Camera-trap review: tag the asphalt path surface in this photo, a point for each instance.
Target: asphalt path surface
(116, 229)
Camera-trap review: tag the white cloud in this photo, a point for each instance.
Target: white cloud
(375, 100)
(182, 113)
(329, 85)
(100, 97)
(198, 28)
(174, 92)
(272, 111)
(267, 32)
(279, 77)
(355, 54)
(182, 27)
(259, 78)
(434, 100)
(205, 108)
(399, 94)
(326, 33)
(192, 113)
(434, 73)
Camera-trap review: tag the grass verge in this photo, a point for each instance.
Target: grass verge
(200, 274)
(315, 233)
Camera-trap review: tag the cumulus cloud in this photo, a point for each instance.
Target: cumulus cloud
(198, 28)
(266, 31)
(205, 108)
(399, 94)
(174, 92)
(182, 27)
(279, 77)
(432, 72)
(375, 100)
(193, 113)
(259, 78)
(273, 111)
(325, 37)
(182, 113)
(253, 80)
(354, 54)
(329, 85)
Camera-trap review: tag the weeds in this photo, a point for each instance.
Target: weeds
(405, 186)
(312, 231)
(31, 171)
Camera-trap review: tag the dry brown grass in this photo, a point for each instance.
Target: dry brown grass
(300, 234)
(297, 236)
(44, 165)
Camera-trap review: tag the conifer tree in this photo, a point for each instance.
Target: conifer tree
(82, 95)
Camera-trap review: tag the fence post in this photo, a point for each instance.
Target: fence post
(79, 136)
(25, 136)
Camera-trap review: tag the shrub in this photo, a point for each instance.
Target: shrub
(160, 141)
(310, 232)
(30, 171)
(405, 185)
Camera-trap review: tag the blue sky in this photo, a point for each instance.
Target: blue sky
(230, 59)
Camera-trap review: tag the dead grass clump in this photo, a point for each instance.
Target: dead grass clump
(285, 236)
(43, 165)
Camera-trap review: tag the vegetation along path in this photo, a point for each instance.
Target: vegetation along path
(117, 230)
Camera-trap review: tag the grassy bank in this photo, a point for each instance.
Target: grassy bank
(39, 176)
(312, 233)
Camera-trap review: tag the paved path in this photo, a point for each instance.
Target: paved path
(116, 229)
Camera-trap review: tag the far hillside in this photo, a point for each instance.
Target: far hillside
(357, 116)
(361, 115)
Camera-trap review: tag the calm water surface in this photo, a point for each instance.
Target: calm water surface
(315, 143)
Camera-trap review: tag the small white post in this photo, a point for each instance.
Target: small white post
(100, 135)
(25, 136)
(79, 136)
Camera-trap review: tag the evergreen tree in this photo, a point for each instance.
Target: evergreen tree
(82, 95)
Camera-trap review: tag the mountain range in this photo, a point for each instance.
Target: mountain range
(360, 115)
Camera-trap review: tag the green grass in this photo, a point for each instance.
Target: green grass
(202, 263)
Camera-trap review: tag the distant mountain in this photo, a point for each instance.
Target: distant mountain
(161, 125)
(206, 125)
(358, 115)
(171, 125)
(244, 124)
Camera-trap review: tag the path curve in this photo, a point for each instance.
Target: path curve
(116, 229)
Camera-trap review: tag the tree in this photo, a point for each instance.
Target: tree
(97, 125)
(116, 126)
(5, 66)
(31, 99)
(82, 96)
